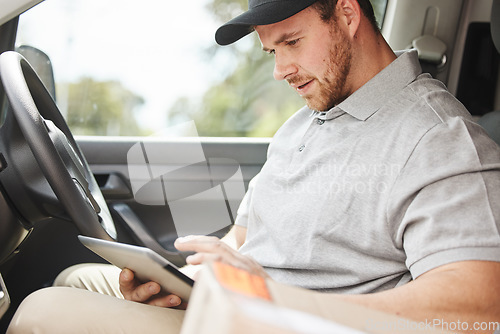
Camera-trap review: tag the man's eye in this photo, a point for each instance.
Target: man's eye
(292, 42)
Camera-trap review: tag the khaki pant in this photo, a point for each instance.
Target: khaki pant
(95, 306)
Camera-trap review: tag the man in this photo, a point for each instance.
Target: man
(381, 190)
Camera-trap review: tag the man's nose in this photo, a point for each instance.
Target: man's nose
(283, 67)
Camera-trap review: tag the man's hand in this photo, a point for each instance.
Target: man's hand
(148, 293)
(209, 249)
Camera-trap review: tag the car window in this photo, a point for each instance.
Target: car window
(129, 68)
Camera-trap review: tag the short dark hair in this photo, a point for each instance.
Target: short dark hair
(326, 9)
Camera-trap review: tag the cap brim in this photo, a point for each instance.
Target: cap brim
(267, 13)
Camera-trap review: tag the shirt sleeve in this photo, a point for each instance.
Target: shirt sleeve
(245, 206)
(446, 205)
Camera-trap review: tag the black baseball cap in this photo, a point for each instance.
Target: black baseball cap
(260, 12)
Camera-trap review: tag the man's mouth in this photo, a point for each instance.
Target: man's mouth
(303, 87)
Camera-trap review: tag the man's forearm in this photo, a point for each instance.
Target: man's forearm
(467, 292)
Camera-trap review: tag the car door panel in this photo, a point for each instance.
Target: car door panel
(110, 160)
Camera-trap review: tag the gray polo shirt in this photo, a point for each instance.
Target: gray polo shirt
(393, 182)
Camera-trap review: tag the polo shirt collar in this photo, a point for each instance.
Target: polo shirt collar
(364, 102)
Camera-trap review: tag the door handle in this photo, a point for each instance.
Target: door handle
(113, 185)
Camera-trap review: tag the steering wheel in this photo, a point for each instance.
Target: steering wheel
(42, 170)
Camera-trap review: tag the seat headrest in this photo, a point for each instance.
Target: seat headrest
(495, 23)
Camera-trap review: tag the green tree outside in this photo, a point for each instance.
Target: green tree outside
(97, 108)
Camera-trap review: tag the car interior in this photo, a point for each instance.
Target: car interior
(58, 181)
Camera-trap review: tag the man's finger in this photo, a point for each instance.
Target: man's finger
(201, 244)
(127, 280)
(200, 258)
(166, 301)
(133, 290)
(228, 258)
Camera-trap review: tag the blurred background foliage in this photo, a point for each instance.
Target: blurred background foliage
(88, 98)
(248, 102)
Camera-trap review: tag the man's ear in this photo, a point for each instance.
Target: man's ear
(349, 12)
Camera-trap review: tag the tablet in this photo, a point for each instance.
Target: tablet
(145, 263)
